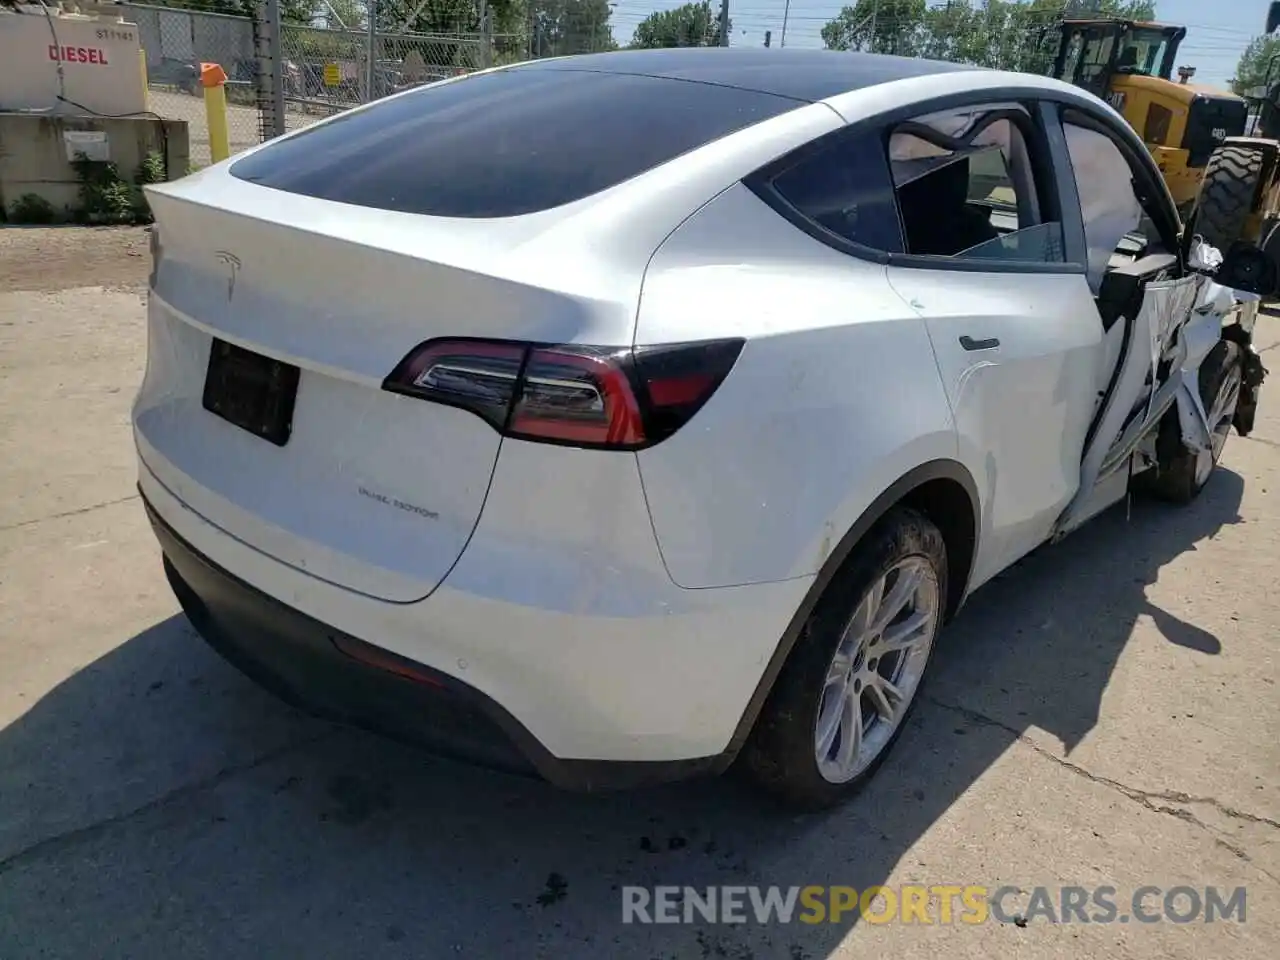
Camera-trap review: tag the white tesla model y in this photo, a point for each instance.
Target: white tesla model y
(610, 418)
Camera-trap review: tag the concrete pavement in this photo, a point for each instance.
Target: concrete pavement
(1105, 713)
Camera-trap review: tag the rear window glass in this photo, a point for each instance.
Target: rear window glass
(505, 143)
(846, 189)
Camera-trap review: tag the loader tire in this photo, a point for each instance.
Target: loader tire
(1227, 194)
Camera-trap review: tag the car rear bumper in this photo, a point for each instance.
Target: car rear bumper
(580, 661)
(334, 675)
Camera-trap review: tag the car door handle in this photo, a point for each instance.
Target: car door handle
(971, 344)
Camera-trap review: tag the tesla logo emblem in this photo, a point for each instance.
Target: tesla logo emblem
(232, 263)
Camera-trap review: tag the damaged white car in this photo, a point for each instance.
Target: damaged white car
(612, 418)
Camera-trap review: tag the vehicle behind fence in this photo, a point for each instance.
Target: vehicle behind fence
(326, 71)
(175, 43)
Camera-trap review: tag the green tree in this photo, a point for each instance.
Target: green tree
(1011, 34)
(340, 14)
(693, 25)
(450, 16)
(1121, 9)
(881, 26)
(1255, 62)
(558, 28)
(298, 11)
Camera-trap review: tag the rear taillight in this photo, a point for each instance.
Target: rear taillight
(477, 375)
(579, 395)
(677, 379)
(572, 395)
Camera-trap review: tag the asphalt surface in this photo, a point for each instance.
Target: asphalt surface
(1105, 713)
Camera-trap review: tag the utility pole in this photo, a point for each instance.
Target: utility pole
(486, 37)
(372, 12)
(786, 12)
(267, 44)
(875, 9)
(724, 23)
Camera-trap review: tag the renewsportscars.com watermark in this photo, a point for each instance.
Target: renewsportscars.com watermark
(931, 904)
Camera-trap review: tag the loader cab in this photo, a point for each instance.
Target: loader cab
(1264, 101)
(1267, 113)
(1092, 53)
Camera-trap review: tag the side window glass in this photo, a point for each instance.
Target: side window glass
(1071, 63)
(1097, 55)
(845, 189)
(966, 189)
(1041, 244)
(1115, 229)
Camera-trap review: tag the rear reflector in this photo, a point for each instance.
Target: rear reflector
(385, 660)
(607, 397)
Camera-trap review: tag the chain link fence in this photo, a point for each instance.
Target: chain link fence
(324, 70)
(566, 30)
(327, 71)
(175, 43)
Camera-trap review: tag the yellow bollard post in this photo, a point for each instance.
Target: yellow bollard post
(142, 60)
(213, 78)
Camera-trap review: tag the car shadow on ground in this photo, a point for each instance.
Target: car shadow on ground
(270, 834)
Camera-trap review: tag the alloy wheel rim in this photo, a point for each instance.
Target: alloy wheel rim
(1219, 417)
(876, 669)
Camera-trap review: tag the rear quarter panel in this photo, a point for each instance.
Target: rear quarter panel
(835, 396)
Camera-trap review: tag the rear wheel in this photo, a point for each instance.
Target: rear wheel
(851, 681)
(1184, 472)
(1226, 195)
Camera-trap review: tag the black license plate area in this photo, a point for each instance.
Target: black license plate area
(254, 392)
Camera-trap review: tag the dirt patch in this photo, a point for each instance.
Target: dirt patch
(57, 258)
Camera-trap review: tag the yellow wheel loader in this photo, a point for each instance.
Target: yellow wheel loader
(1240, 196)
(1226, 181)
(1129, 64)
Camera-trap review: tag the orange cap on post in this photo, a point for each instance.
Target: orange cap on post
(212, 75)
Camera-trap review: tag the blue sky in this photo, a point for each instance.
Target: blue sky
(1217, 30)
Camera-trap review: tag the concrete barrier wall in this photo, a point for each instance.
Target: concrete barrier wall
(34, 154)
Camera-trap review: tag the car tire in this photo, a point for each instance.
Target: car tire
(1183, 472)
(785, 753)
(1226, 195)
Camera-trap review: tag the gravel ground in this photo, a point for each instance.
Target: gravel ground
(57, 258)
(1104, 713)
